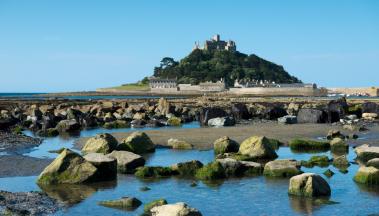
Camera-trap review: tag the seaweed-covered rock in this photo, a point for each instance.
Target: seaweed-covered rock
(237, 168)
(211, 171)
(187, 169)
(367, 152)
(257, 147)
(305, 145)
(179, 144)
(137, 142)
(316, 160)
(334, 134)
(374, 163)
(367, 175)
(309, 185)
(127, 162)
(338, 145)
(209, 113)
(150, 205)
(106, 166)
(174, 121)
(127, 203)
(328, 173)
(176, 209)
(341, 162)
(282, 168)
(68, 168)
(154, 172)
(225, 145)
(101, 143)
(66, 126)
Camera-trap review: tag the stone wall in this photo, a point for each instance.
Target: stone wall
(371, 91)
(288, 91)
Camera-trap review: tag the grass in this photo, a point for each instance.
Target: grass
(131, 87)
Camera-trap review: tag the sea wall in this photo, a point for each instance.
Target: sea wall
(284, 91)
(371, 91)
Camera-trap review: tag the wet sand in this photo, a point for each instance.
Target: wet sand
(203, 138)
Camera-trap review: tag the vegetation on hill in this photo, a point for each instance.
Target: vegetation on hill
(203, 65)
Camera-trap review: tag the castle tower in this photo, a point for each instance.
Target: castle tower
(216, 37)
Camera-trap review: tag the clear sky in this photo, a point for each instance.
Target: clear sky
(71, 45)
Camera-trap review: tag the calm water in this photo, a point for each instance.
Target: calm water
(39, 96)
(238, 196)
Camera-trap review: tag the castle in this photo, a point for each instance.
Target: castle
(216, 44)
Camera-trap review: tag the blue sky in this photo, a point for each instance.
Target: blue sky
(72, 45)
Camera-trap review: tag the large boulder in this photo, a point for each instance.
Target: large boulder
(309, 185)
(68, 168)
(312, 116)
(106, 166)
(221, 122)
(67, 126)
(152, 204)
(211, 171)
(336, 109)
(367, 152)
(370, 107)
(127, 162)
(164, 108)
(137, 142)
(367, 175)
(177, 209)
(373, 162)
(232, 167)
(308, 145)
(101, 143)
(240, 111)
(370, 116)
(257, 147)
(282, 168)
(225, 145)
(179, 144)
(210, 113)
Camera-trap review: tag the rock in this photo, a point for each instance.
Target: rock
(232, 167)
(341, 162)
(127, 203)
(137, 142)
(27, 203)
(164, 107)
(211, 171)
(338, 145)
(316, 160)
(154, 172)
(144, 188)
(106, 166)
(139, 116)
(273, 113)
(306, 145)
(251, 168)
(367, 175)
(221, 122)
(155, 203)
(369, 116)
(282, 168)
(293, 109)
(101, 143)
(127, 162)
(336, 109)
(225, 145)
(370, 107)
(174, 121)
(68, 168)
(374, 163)
(179, 144)
(51, 132)
(366, 152)
(187, 169)
(116, 124)
(138, 123)
(334, 134)
(89, 121)
(312, 116)
(258, 148)
(328, 173)
(288, 119)
(177, 209)
(240, 111)
(67, 126)
(210, 113)
(309, 185)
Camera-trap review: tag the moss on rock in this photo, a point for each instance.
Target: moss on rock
(137, 142)
(127, 203)
(225, 145)
(367, 175)
(211, 171)
(153, 204)
(154, 172)
(282, 168)
(317, 160)
(305, 145)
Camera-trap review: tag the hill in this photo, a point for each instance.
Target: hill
(205, 65)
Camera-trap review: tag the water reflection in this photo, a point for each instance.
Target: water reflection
(71, 194)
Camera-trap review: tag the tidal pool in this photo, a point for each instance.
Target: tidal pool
(238, 196)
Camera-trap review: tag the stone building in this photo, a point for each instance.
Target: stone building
(212, 87)
(160, 83)
(216, 44)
